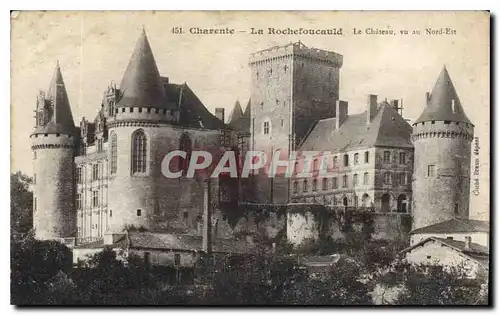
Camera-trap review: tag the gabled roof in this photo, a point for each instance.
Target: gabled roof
(61, 120)
(243, 122)
(444, 104)
(455, 225)
(141, 84)
(236, 113)
(387, 128)
(454, 244)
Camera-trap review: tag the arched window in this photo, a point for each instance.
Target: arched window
(295, 187)
(304, 187)
(315, 184)
(139, 152)
(114, 153)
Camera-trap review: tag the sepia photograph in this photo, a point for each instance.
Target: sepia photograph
(333, 158)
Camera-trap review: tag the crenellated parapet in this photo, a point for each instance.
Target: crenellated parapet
(297, 50)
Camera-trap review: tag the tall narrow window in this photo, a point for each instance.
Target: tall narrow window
(114, 153)
(355, 180)
(79, 178)
(365, 179)
(367, 157)
(295, 187)
(186, 146)
(356, 158)
(266, 127)
(304, 186)
(402, 179)
(402, 158)
(139, 152)
(456, 208)
(346, 160)
(325, 184)
(78, 201)
(95, 172)
(99, 145)
(95, 198)
(315, 184)
(387, 156)
(431, 169)
(344, 181)
(334, 183)
(387, 178)
(335, 161)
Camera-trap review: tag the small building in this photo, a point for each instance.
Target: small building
(449, 252)
(454, 229)
(162, 249)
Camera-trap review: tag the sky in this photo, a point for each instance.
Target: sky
(93, 50)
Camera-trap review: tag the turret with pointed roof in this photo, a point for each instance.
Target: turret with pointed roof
(442, 137)
(236, 113)
(53, 114)
(443, 103)
(142, 85)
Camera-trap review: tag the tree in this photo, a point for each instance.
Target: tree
(21, 203)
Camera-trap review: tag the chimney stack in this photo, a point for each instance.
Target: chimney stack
(207, 217)
(219, 113)
(468, 241)
(341, 112)
(371, 110)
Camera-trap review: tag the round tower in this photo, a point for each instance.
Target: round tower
(134, 133)
(53, 145)
(442, 137)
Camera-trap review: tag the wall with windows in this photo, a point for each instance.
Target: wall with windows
(140, 195)
(91, 197)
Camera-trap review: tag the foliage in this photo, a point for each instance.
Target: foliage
(21, 203)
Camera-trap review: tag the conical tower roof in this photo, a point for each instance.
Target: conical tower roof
(236, 113)
(57, 104)
(247, 113)
(444, 104)
(142, 85)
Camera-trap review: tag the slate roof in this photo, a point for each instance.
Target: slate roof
(167, 241)
(243, 122)
(444, 103)
(387, 128)
(236, 113)
(141, 84)
(62, 118)
(455, 225)
(454, 244)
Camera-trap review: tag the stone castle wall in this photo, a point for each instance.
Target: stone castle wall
(445, 194)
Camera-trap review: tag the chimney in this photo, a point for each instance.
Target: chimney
(219, 113)
(468, 241)
(371, 110)
(427, 97)
(207, 217)
(341, 111)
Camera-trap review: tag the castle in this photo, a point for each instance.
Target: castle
(103, 176)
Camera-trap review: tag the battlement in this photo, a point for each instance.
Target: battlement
(144, 113)
(297, 50)
(442, 129)
(41, 141)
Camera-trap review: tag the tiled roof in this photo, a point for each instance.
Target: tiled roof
(456, 245)
(455, 225)
(387, 128)
(185, 242)
(444, 103)
(141, 84)
(194, 113)
(62, 118)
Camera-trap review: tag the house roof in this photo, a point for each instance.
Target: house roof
(236, 113)
(454, 244)
(61, 120)
(387, 128)
(455, 225)
(444, 103)
(141, 84)
(168, 241)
